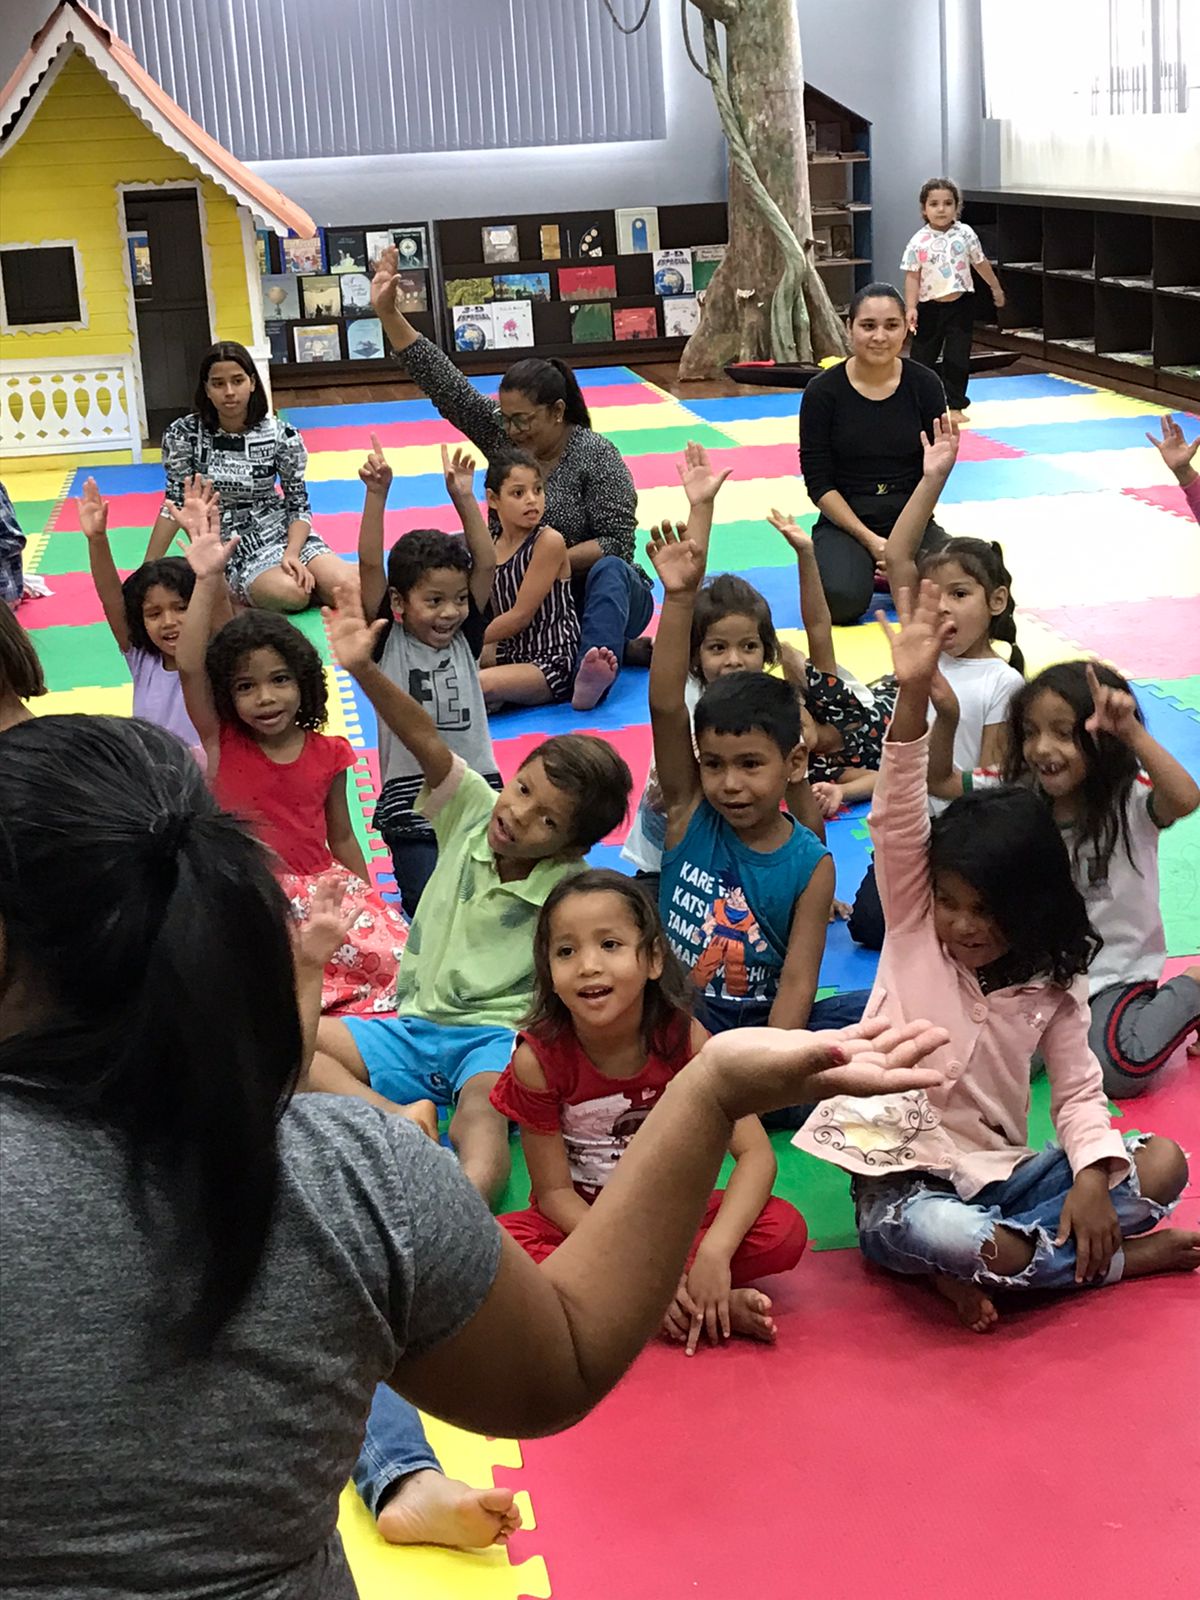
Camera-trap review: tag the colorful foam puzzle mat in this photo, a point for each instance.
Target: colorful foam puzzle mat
(1061, 1455)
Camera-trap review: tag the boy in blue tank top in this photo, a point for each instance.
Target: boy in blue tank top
(746, 890)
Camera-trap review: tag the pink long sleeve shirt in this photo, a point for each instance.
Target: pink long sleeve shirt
(973, 1129)
(1191, 493)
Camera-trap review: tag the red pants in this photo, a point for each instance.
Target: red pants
(774, 1243)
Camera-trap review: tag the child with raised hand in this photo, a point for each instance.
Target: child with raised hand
(609, 1027)
(843, 722)
(988, 936)
(433, 595)
(467, 976)
(533, 637)
(145, 612)
(1179, 456)
(939, 292)
(1078, 740)
(746, 891)
(256, 694)
(21, 676)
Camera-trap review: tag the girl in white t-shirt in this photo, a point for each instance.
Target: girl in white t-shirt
(1079, 740)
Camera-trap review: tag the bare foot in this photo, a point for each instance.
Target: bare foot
(975, 1310)
(750, 1315)
(430, 1509)
(1166, 1250)
(596, 673)
(425, 1114)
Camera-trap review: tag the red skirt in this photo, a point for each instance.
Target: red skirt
(361, 977)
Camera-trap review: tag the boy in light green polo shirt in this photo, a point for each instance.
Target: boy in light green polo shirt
(466, 977)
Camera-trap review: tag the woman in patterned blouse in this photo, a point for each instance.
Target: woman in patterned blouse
(233, 439)
(590, 496)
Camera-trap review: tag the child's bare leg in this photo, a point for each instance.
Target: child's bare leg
(426, 1508)
(338, 1068)
(515, 684)
(1006, 1254)
(479, 1134)
(1164, 1250)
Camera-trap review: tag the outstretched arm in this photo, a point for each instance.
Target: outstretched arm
(376, 477)
(905, 538)
(353, 641)
(680, 567)
(459, 470)
(208, 557)
(1176, 793)
(93, 519)
(814, 607)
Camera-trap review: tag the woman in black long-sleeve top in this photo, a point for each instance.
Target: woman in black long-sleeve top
(860, 448)
(590, 497)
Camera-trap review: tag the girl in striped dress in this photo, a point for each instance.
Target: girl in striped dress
(532, 640)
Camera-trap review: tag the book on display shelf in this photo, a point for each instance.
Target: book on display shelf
(281, 347)
(672, 272)
(591, 322)
(281, 297)
(364, 339)
(635, 322)
(587, 283)
(318, 342)
(585, 239)
(512, 324)
(637, 230)
(321, 297)
(375, 242)
(262, 249)
(706, 258)
(500, 242)
(303, 255)
(345, 250)
(469, 291)
(412, 247)
(356, 294)
(412, 293)
(473, 328)
(522, 286)
(681, 316)
(550, 235)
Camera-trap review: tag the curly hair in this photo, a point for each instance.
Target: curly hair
(171, 572)
(266, 630)
(667, 1000)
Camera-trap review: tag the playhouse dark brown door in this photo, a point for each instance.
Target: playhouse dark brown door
(166, 256)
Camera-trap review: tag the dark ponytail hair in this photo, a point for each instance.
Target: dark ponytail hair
(546, 383)
(180, 1029)
(502, 462)
(875, 291)
(985, 563)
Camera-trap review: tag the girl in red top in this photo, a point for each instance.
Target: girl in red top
(610, 1027)
(256, 695)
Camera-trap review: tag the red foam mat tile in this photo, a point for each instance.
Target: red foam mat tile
(1166, 496)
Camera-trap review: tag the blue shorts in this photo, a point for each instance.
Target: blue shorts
(408, 1058)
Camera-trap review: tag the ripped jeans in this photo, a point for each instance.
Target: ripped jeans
(918, 1223)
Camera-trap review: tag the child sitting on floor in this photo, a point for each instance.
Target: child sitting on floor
(988, 937)
(21, 675)
(746, 890)
(145, 613)
(532, 640)
(256, 695)
(433, 596)
(1078, 740)
(609, 1028)
(468, 974)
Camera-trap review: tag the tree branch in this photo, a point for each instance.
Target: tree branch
(725, 11)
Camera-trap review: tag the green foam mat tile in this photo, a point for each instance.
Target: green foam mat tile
(1185, 692)
(738, 546)
(667, 441)
(312, 625)
(81, 657)
(33, 515)
(1179, 882)
(67, 552)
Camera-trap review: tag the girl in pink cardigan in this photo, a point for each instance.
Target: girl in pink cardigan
(988, 937)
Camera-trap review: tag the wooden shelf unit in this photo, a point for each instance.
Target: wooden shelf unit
(1097, 282)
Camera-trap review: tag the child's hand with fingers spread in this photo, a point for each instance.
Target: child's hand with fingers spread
(375, 472)
(326, 927)
(383, 284)
(791, 531)
(208, 555)
(678, 561)
(940, 452)
(459, 470)
(699, 478)
(1173, 447)
(93, 512)
(1113, 710)
(194, 514)
(350, 637)
(917, 642)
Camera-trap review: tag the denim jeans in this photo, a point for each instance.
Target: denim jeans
(918, 1224)
(413, 861)
(615, 604)
(394, 1445)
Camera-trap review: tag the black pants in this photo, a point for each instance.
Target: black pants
(866, 924)
(943, 341)
(847, 571)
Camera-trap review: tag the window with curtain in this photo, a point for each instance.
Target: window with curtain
(295, 79)
(1090, 57)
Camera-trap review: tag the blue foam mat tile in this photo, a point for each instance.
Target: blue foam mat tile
(420, 491)
(1096, 433)
(365, 415)
(1176, 728)
(747, 407)
(846, 965)
(1017, 479)
(1026, 386)
(624, 708)
(144, 478)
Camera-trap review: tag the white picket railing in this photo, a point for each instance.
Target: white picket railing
(52, 407)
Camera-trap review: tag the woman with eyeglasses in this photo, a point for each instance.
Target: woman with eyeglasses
(590, 496)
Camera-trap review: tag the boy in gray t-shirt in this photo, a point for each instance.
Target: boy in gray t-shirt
(435, 595)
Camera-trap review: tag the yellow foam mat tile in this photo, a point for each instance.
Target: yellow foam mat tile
(765, 430)
(985, 414)
(628, 419)
(112, 702)
(341, 712)
(406, 461)
(34, 483)
(35, 548)
(737, 502)
(1041, 646)
(1079, 548)
(1139, 467)
(862, 650)
(422, 1572)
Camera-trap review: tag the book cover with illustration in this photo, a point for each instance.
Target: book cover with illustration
(469, 291)
(262, 249)
(356, 294)
(591, 323)
(412, 293)
(473, 328)
(637, 230)
(281, 297)
(412, 247)
(321, 342)
(345, 251)
(672, 272)
(376, 241)
(321, 297)
(512, 324)
(303, 255)
(635, 322)
(364, 339)
(522, 286)
(584, 238)
(500, 241)
(587, 283)
(681, 317)
(280, 342)
(550, 235)
(706, 258)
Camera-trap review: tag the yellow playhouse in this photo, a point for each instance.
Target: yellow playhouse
(127, 246)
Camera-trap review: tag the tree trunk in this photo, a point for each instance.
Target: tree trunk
(766, 86)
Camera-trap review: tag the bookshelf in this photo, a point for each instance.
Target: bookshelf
(1106, 283)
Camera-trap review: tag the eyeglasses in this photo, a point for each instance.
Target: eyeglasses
(517, 421)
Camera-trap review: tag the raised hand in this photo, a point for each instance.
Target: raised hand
(375, 472)
(327, 925)
(917, 642)
(1114, 711)
(459, 471)
(351, 638)
(699, 477)
(208, 554)
(679, 561)
(1175, 450)
(941, 451)
(791, 531)
(199, 497)
(93, 512)
(383, 284)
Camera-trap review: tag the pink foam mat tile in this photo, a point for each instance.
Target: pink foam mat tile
(1167, 496)
(339, 529)
(392, 435)
(746, 461)
(1144, 638)
(973, 446)
(74, 601)
(635, 744)
(124, 511)
(865, 1453)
